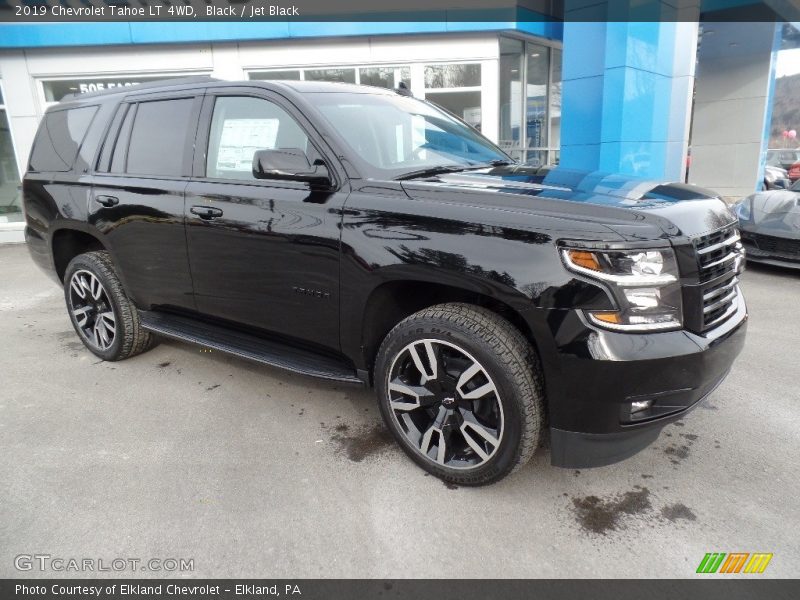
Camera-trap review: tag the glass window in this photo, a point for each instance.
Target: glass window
(59, 138)
(284, 75)
(121, 145)
(512, 55)
(536, 101)
(159, 137)
(460, 98)
(377, 76)
(394, 135)
(242, 125)
(405, 76)
(464, 105)
(54, 91)
(10, 206)
(342, 75)
(107, 148)
(452, 76)
(385, 77)
(555, 106)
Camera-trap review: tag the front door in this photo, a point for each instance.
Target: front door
(263, 253)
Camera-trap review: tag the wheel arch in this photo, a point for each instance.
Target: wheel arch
(66, 243)
(392, 301)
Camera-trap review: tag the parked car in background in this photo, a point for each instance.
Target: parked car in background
(769, 222)
(776, 178)
(794, 172)
(785, 158)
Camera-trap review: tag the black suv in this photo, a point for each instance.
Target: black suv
(361, 235)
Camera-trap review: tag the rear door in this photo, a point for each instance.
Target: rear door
(138, 195)
(264, 253)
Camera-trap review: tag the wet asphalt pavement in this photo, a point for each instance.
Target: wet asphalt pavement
(253, 472)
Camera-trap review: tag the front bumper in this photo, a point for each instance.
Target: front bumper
(597, 374)
(779, 251)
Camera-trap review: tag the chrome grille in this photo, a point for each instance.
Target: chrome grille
(719, 259)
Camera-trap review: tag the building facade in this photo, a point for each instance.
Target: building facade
(506, 84)
(627, 97)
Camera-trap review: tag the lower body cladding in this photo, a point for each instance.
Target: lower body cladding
(764, 246)
(610, 394)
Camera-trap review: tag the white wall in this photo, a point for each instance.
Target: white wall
(731, 107)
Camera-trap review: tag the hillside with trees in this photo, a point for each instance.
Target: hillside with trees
(786, 111)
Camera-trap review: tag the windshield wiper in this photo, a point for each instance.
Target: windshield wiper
(431, 171)
(441, 169)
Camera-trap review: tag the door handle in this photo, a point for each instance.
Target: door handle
(108, 201)
(206, 212)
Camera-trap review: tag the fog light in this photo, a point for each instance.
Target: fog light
(640, 405)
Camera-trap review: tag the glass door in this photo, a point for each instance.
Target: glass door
(10, 205)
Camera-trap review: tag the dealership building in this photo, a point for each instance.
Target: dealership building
(618, 97)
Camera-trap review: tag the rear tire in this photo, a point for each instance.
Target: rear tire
(102, 315)
(461, 391)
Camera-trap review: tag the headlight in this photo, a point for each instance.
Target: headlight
(643, 283)
(743, 209)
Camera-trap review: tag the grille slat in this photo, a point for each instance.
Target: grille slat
(722, 288)
(719, 256)
(775, 245)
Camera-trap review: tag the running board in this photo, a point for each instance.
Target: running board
(248, 346)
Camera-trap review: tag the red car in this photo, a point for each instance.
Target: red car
(794, 171)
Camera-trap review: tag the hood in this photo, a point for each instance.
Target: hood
(777, 210)
(635, 208)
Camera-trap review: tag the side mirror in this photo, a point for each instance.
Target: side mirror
(289, 164)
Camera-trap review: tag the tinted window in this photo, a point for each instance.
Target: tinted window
(60, 136)
(104, 162)
(120, 148)
(159, 137)
(242, 125)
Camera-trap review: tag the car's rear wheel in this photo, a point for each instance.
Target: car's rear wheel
(459, 387)
(102, 315)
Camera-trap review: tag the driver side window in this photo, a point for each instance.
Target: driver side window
(240, 126)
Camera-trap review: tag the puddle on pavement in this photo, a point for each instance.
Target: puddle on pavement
(603, 515)
(677, 511)
(597, 515)
(359, 443)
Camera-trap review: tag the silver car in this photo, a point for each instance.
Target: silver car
(769, 223)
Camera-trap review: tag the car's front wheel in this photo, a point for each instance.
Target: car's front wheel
(102, 315)
(459, 387)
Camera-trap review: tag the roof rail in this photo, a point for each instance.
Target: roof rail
(143, 86)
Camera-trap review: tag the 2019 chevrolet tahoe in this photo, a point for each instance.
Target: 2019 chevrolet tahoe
(361, 235)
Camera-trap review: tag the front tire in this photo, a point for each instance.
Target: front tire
(460, 389)
(102, 315)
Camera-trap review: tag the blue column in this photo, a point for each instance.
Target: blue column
(627, 90)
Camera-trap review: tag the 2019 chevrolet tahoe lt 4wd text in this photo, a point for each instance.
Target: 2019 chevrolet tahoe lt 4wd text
(361, 235)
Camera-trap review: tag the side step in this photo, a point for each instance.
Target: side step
(248, 346)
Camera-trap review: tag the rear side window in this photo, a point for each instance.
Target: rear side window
(60, 136)
(121, 147)
(159, 138)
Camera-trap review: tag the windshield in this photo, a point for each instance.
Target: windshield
(796, 186)
(398, 135)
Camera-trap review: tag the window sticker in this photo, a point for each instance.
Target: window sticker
(241, 138)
